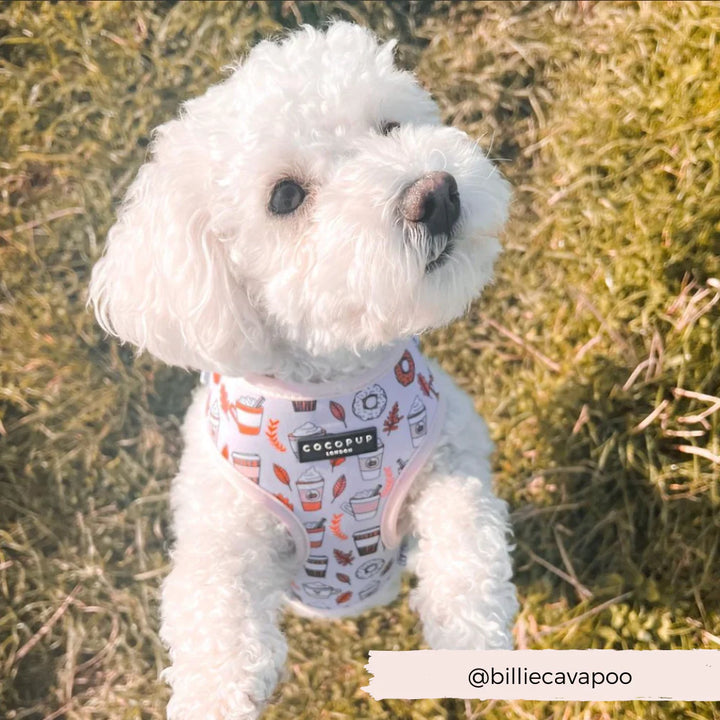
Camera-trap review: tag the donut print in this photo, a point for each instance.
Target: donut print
(369, 403)
(405, 369)
(369, 568)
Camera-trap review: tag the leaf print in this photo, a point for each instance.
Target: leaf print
(216, 378)
(284, 501)
(392, 421)
(424, 386)
(226, 452)
(335, 527)
(343, 558)
(281, 474)
(343, 578)
(339, 487)
(224, 402)
(272, 434)
(432, 388)
(343, 598)
(338, 412)
(334, 462)
(389, 484)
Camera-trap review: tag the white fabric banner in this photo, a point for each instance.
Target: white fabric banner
(546, 674)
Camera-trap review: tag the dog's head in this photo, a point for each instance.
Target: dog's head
(312, 201)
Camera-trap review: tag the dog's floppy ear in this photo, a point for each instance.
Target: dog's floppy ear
(164, 282)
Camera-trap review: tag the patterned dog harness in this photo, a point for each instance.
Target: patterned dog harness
(334, 461)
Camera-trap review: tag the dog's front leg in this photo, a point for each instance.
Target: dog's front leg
(232, 563)
(219, 618)
(465, 596)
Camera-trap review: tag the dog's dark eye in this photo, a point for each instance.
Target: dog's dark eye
(387, 127)
(287, 196)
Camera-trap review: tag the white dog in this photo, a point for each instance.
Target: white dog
(297, 225)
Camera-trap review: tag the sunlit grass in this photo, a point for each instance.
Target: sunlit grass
(594, 356)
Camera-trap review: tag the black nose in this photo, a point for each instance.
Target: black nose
(433, 201)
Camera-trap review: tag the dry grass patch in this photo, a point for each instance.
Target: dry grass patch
(594, 356)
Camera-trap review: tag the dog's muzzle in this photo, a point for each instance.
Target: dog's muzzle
(433, 201)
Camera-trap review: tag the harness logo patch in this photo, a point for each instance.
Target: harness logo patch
(326, 447)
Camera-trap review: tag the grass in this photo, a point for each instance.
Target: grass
(595, 356)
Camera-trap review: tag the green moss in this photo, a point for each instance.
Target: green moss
(587, 355)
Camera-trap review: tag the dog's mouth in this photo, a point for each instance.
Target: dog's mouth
(439, 254)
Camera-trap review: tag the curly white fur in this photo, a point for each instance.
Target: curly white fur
(199, 273)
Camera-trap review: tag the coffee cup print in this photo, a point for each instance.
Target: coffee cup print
(247, 413)
(247, 464)
(310, 486)
(316, 565)
(363, 505)
(417, 419)
(305, 431)
(366, 541)
(371, 463)
(214, 420)
(316, 532)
